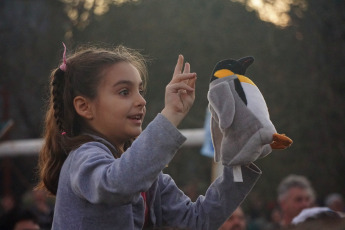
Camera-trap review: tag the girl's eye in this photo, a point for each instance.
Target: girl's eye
(124, 92)
(142, 92)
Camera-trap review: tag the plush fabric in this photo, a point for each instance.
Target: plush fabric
(241, 128)
(239, 137)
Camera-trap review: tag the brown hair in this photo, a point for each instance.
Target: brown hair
(63, 126)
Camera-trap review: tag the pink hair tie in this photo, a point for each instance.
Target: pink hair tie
(63, 66)
(63, 133)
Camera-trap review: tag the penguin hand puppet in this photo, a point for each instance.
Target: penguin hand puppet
(241, 128)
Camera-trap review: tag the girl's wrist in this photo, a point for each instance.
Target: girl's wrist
(173, 117)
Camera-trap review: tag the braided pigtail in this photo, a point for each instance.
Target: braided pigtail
(58, 84)
(53, 152)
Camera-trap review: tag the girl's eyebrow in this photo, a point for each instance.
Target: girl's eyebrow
(126, 82)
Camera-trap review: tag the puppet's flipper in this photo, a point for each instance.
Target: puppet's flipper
(222, 103)
(280, 141)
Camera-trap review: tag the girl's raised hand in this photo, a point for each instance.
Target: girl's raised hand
(179, 93)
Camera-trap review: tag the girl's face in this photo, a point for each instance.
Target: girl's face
(119, 108)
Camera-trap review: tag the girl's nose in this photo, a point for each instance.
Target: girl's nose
(141, 100)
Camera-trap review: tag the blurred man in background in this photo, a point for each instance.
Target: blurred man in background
(295, 193)
(236, 221)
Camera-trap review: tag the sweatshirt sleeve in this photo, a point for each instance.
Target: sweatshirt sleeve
(98, 177)
(209, 211)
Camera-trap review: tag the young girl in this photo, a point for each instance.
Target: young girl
(105, 171)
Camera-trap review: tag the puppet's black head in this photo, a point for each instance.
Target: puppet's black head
(228, 67)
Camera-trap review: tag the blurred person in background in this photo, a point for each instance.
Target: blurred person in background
(8, 211)
(42, 208)
(25, 220)
(315, 213)
(8, 203)
(295, 193)
(236, 221)
(335, 202)
(318, 218)
(274, 220)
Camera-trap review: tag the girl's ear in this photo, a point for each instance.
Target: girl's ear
(83, 107)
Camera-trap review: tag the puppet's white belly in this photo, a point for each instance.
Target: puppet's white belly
(256, 103)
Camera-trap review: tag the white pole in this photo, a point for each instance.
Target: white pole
(20, 147)
(195, 137)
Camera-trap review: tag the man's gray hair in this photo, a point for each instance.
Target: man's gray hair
(293, 181)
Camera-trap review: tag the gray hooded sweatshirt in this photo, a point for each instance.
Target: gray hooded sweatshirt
(97, 191)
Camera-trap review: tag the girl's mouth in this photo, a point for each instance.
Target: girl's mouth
(136, 118)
